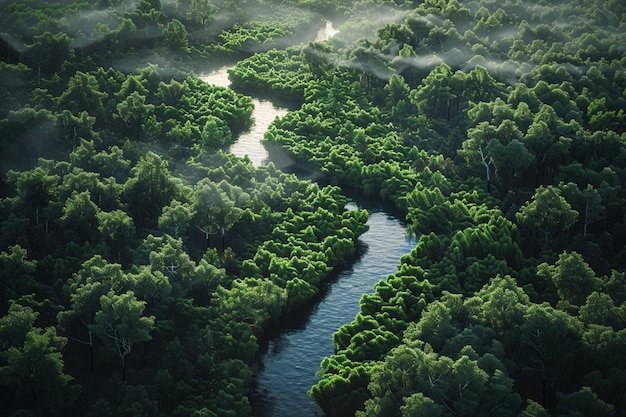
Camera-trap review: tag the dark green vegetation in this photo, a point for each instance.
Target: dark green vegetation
(140, 264)
(499, 129)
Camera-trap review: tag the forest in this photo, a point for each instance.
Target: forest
(141, 263)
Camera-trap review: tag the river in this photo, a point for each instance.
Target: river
(292, 355)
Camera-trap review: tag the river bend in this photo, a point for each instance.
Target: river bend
(292, 356)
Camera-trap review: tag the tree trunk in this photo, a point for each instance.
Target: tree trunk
(91, 359)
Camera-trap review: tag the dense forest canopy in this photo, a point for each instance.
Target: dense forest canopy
(141, 263)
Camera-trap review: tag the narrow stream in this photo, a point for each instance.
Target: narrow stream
(292, 357)
(249, 141)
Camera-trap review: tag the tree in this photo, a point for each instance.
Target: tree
(419, 405)
(95, 278)
(214, 209)
(500, 304)
(120, 324)
(548, 138)
(550, 340)
(36, 189)
(149, 189)
(480, 85)
(31, 365)
(133, 84)
(16, 274)
(83, 95)
(473, 150)
(176, 219)
(510, 160)
(176, 36)
(108, 163)
(76, 128)
(600, 308)
(136, 115)
(588, 202)
(153, 287)
(584, 402)
(534, 409)
(80, 215)
(572, 276)
(397, 89)
(547, 212)
(48, 52)
(435, 92)
(117, 228)
(167, 255)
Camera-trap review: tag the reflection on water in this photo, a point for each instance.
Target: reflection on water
(294, 355)
(249, 141)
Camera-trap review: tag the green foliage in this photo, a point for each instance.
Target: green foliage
(278, 80)
(548, 212)
(571, 275)
(120, 323)
(149, 189)
(32, 364)
(48, 52)
(389, 107)
(288, 236)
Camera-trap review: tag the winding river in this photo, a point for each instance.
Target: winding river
(292, 355)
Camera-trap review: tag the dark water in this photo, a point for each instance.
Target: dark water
(293, 357)
(294, 353)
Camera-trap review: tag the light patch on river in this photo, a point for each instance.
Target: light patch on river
(248, 143)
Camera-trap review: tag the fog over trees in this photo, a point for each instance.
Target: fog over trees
(141, 264)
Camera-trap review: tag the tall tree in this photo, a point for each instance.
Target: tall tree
(95, 278)
(547, 212)
(31, 365)
(16, 274)
(149, 189)
(588, 202)
(120, 324)
(214, 209)
(48, 52)
(136, 115)
(550, 342)
(80, 217)
(83, 94)
(510, 160)
(572, 276)
(176, 36)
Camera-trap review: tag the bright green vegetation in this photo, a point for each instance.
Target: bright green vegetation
(501, 136)
(140, 264)
(194, 266)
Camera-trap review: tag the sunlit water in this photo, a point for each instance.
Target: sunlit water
(248, 143)
(292, 355)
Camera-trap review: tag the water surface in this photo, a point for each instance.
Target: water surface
(293, 357)
(293, 354)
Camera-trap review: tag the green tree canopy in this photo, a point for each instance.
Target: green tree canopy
(120, 323)
(547, 212)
